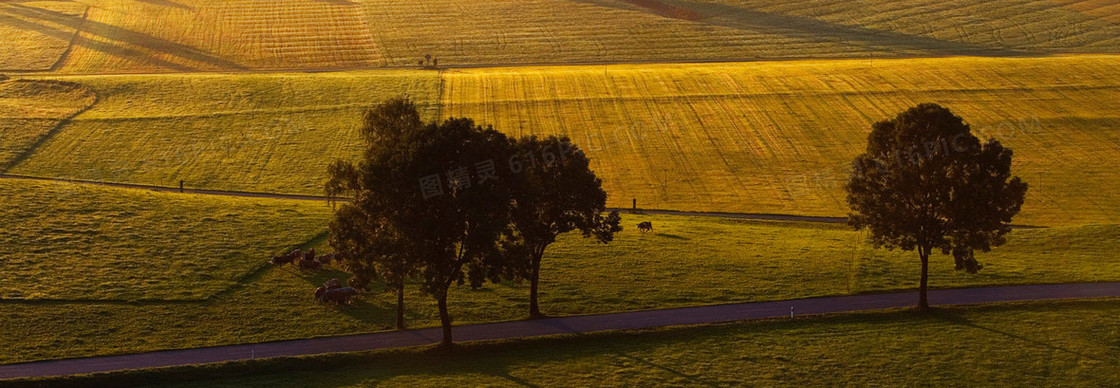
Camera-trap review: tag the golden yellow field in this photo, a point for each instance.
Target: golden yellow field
(30, 110)
(776, 137)
(138, 36)
(35, 34)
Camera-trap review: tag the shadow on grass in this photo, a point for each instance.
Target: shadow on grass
(961, 320)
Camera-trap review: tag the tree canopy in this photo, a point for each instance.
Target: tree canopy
(927, 183)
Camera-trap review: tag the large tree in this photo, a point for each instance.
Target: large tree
(360, 232)
(554, 192)
(433, 190)
(926, 183)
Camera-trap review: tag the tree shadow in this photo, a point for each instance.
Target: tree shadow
(961, 320)
(113, 40)
(672, 236)
(693, 379)
(811, 29)
(168, 3)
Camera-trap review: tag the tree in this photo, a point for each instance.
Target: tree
(927, 183)
(554, 193)
(369, 246)
(420, 192)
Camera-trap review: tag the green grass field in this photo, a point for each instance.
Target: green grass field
(30, 110)
(1023, 344)
(274, 133)
(80, 243)
(95, 271)
(136, 36)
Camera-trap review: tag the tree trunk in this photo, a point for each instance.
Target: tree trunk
(923, 301)
(444, 319)
(534, 280)
(400, 307)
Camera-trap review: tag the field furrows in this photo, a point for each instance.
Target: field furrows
(776, 138)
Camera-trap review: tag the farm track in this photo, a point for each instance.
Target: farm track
(558, 326)
(324, 199)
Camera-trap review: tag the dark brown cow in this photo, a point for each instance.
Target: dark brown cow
(339, 296)
(645, 226)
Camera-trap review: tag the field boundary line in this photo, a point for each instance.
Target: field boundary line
(297, 70)
(73, 40)
(329, 200)
(644, 319)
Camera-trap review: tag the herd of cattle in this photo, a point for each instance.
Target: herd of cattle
(305, 261)
(330, 292)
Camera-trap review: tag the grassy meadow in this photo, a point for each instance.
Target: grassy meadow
(273, 133)
(80, 243)
(1023, 344)
(777, 137)
(31, 110)
(89, 270)
(139, 36)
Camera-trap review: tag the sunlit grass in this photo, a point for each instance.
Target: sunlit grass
(74, 242)
(79, 253)
(30, 109)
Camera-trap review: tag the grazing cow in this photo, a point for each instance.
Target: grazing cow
(327, 258)
(319, 293)
(309, 255)
(339, 296)
(333, 284)
(309, 265)
(286, 259)
(645, 226)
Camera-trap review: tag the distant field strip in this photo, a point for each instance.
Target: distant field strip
(86, 243)
(274, 133)
(777, 137)
(35, 34)
(140, 36)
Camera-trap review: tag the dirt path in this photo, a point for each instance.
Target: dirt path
(556, 326)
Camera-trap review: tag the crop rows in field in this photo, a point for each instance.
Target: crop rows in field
(772, 137)
(777, 137)
(35, 34)
(135, 36)
(190, 35)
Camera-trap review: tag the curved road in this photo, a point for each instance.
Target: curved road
(554, 326)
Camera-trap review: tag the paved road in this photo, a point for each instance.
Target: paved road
(553, 326)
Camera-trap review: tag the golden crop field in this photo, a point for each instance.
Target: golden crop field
(776, 137)
(275, 132)
(30, 110)
(131, 36)
(35, 34)
(63, 241)
(769, 137)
